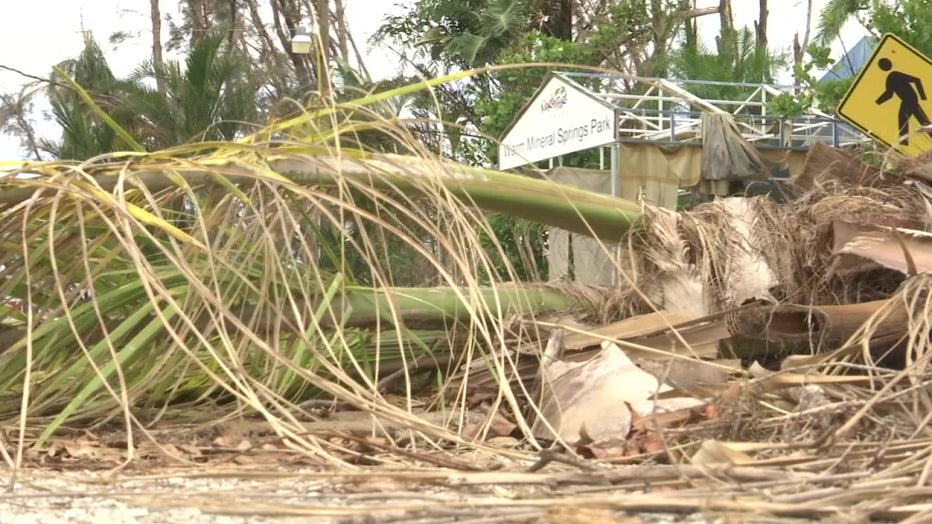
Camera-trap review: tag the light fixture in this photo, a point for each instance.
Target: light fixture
(301, 42)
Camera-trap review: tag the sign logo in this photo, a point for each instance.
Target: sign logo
(556, 101)
(889, 100)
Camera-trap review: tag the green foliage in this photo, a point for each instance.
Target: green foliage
(212, 96)
(626, 30)
(910, 20)
(465, 33)
(834, 16)
(787, 105)
(518, 246)
(84, 135)
(810, 91)
(828, 94)
(742, 61)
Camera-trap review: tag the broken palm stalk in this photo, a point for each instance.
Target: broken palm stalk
(905, 250)
(825, 326)
(577, 210)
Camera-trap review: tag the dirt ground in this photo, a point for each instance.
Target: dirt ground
(258, 495)
(234, 474)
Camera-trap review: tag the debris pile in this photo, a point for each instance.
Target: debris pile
(768, 333)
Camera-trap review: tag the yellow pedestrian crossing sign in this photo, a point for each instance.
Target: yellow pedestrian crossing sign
(891, 99)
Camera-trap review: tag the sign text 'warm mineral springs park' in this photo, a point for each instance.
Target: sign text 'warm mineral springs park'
(561, 119)
(562, 136)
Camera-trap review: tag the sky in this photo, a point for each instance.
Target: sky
(37, 34)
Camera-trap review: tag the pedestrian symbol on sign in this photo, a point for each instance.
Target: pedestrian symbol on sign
(906, 88)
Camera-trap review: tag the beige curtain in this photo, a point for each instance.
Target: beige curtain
(656, 173)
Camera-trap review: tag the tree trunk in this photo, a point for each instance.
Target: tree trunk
(760, 26)
(422, 308)
(558, 19)
(575, 210)
(200, 21)
(726, 40)
(799, 48)
(234, 22)
(343, 30)
(323, 54)
(155, 16)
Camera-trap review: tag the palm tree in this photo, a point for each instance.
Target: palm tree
(236, 306)
(211, 97)
(738, 60)
(84, 134)
(836, 14)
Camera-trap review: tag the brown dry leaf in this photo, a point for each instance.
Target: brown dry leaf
(173, 451)
(81, 447)
(85, 449)
(147, 449)
(55, 449)
(602, 453)
(825, 164)
(718, 452)
(908, 251)
(598, 397)
(822, 324)
(251, 459)
(644, 441)
(378, 442)
(500, 426)
(669, 418)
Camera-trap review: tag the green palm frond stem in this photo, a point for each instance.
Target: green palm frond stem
(576, 210)
(430, 308)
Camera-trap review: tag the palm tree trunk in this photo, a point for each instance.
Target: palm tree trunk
(323, 54)
(342, 30)
(760, 26)
(155, 16)
(799, 48)
(426, 308)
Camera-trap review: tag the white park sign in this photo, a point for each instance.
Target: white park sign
(560, 119)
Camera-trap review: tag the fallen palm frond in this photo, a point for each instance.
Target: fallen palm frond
(258, 275)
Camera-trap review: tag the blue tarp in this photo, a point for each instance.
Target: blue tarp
(852, 62)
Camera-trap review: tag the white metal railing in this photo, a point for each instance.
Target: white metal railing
(670, 111)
